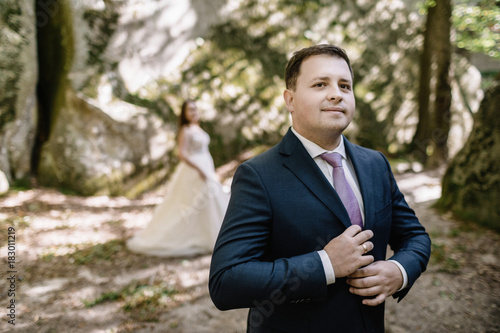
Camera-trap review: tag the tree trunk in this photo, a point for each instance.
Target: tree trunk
(422, 138)
(55, 41)
(471, 184)
(442, 103)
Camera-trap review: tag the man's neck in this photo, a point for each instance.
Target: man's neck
(328, 143)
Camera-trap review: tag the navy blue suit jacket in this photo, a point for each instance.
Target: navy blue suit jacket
(281, 212)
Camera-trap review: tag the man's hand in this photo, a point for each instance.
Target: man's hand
(347, 250)
(379, 280)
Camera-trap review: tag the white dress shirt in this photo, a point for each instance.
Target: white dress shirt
(316, 151)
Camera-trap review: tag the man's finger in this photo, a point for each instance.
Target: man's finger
(363, 236)
(359, 273)
(374, 301)
(353, 230)
(364, 271)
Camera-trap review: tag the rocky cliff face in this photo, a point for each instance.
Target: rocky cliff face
(18, 78)
(79, 103)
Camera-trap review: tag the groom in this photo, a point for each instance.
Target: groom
(304, 240)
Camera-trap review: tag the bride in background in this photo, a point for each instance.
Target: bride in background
(187, 222)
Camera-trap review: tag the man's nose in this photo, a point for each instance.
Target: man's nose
(334, 94)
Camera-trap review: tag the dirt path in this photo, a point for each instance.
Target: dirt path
(74, 273)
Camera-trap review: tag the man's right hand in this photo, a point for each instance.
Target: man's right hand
(347, 252)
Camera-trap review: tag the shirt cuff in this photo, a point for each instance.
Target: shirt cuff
(403, 272)
(327, 266)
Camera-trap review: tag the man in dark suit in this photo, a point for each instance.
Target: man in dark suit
(292, 248)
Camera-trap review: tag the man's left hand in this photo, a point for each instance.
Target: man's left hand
(379, 280)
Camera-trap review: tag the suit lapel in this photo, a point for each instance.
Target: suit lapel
(364, 173)
(297, 160)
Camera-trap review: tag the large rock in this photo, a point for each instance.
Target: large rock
(18, 79)
(153, 38)
(4, 183)
(471, 184)
(92, 152)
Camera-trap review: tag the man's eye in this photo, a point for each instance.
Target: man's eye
(345, 86)
(321, 84)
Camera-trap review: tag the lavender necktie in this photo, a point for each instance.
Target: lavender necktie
(343, 189)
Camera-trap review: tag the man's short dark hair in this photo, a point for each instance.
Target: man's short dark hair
(292, 70)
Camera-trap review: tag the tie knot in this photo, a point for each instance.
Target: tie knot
(335, 159)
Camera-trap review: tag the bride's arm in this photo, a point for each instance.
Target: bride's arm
(184, 154)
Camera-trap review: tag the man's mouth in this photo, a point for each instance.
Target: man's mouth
(333, 108)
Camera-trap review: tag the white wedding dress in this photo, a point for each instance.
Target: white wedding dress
(187, 222)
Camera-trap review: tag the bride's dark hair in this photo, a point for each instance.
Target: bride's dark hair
(182, 120)
(182, 117)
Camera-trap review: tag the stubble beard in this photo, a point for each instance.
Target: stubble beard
(330, 133)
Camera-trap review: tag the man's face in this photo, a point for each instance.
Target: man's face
(323, 104)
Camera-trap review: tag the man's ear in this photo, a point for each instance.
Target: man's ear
(288, 97)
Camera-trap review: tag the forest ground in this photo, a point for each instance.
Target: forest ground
(74, 273)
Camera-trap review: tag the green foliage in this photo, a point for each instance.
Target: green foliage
(67, 190)
(108, 296)
(146, 302)
(478, 26)
(101, 251)
(143, 301)
(442, 255)
(20, 184)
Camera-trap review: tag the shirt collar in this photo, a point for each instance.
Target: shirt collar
(315, 150)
